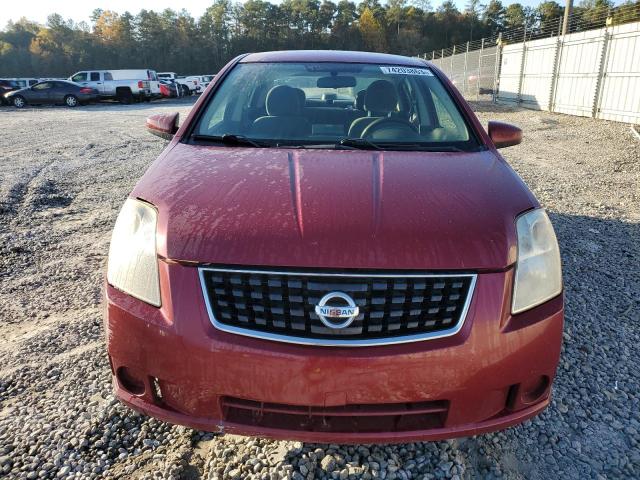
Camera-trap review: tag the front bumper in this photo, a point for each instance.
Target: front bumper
(171, 363)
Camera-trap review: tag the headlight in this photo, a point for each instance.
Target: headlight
(538, 275)
(133, 265)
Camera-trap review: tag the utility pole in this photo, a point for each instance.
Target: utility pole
(568, 10)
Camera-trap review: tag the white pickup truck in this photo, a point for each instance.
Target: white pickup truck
(203, 81)
(126, 86)
(187, 85)
(24, 82)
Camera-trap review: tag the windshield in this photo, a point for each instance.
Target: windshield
(330, 103)
(79, 77)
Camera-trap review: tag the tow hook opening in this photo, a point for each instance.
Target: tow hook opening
(522, 395)
(535, 391)
(130, 381)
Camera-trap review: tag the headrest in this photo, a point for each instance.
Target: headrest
(359, 103)
(282, 101)
(381, 97)
(302, 98)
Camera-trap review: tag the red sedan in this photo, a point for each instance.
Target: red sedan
(331, 249)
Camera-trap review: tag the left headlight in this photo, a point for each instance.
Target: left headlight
(538, 276)
(133, 263)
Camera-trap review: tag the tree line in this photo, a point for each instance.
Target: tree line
(176, 41)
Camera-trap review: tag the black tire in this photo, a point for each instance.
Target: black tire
(18, 101)
(185, 90)
(125, 97)
(71, 101)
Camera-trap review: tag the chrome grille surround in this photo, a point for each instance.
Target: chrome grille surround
(335, 340)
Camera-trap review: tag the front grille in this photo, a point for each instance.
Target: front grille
(392, 308)
(374, 418)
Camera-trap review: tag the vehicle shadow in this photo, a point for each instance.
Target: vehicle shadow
(596, 375)
(108, 106)
(116, 107)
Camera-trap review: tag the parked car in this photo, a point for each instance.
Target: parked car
(197, 82)
(6, 86)
(126, 86)
(56, 92)
(202, 81)
(24, 82)
(187, 86)
(168, 89)
(299, 266)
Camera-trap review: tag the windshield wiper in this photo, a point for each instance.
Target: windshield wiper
(361, 143)
(422, 148)
(230, 139)
(365, 144)
(349, 142)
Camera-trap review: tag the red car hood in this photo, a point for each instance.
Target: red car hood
(335, 209)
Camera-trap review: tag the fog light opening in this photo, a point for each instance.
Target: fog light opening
(534, 392)
(129, 381)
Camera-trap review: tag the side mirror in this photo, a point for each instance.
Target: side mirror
(504, 135)
(163, 125)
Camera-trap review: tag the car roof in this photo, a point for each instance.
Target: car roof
(337, 56)
(65, 82)
(58, 81)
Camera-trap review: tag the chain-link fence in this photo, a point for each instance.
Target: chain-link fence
(474, 67)
(592, 71)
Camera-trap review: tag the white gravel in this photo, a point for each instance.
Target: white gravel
(65, 173)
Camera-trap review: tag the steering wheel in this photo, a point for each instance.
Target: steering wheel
(398, 127)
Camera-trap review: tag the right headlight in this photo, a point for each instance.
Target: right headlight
(538, 276)
(133, 263)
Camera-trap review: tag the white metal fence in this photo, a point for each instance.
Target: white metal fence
(594, 73)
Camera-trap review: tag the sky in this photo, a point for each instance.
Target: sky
(80, 10)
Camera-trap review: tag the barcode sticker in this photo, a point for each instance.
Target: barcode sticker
(406, 71)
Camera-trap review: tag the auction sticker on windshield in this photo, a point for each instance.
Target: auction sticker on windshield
(406, 71)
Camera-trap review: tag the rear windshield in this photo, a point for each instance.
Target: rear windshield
(326, 103)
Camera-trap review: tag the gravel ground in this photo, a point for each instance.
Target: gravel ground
(65, 173)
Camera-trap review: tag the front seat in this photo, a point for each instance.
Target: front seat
(284, 115)
(358, 103)
(380, 99)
